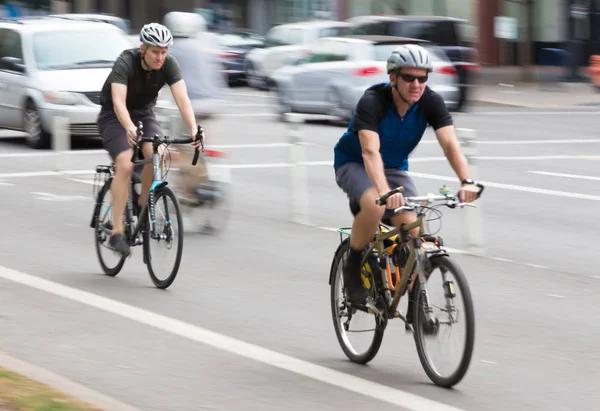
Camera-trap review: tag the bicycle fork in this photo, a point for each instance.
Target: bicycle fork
(430, 319)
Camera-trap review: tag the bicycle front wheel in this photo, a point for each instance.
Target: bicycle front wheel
(453, 312)
(160, 240)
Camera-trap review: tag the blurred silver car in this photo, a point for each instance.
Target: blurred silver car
(334, 76)
(55, 67)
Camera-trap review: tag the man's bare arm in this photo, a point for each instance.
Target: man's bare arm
(119, 96)
(447, 139)
(369, 141)
(179, 91)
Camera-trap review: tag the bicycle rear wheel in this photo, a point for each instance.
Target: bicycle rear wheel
(167, 208)
(343, 314)
(112, 262)
(448, 316)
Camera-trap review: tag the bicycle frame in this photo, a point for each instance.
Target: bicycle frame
(384, 244)
(384, 252)
(157, 181)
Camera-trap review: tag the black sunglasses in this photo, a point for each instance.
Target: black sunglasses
(409, 78)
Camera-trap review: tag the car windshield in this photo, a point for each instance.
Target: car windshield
(78, 49)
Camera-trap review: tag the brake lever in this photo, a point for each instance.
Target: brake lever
(407, 208)
(200, 135)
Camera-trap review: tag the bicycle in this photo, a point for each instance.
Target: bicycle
(145, 229)
(390, 252)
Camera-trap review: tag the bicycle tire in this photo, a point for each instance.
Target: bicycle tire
(450, 265)
(160, 193)
(110, 271)
(373, 349)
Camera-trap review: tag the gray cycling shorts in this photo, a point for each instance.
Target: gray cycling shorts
(352, 178)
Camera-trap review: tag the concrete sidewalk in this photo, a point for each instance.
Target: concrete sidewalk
(558, 95)
(504, 86)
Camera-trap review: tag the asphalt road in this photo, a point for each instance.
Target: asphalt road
(534, 289)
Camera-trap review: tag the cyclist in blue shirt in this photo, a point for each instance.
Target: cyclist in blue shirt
(371, 157)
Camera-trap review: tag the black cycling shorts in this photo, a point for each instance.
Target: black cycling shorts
(114, 135)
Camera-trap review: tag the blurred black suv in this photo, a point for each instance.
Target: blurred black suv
(443, 31)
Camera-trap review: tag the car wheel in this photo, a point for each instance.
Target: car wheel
(336, 108)
(37, 138)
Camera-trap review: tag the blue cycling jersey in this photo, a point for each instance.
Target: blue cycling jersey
(398, 136)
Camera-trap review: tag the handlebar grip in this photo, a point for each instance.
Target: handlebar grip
(196, 155)
(381, 200)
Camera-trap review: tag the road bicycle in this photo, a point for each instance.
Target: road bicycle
(145, 229)
(395, 262)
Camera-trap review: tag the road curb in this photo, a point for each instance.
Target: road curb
(63, 384)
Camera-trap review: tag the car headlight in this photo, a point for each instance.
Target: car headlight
(62, 97)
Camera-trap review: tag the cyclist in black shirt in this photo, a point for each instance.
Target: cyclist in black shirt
(128, 96)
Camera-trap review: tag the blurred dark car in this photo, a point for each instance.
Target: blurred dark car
(233, 47)
(444, 31)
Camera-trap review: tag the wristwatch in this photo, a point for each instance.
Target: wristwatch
(467, 180)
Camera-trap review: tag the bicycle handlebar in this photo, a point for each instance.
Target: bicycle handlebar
(452, 200)
(158, 140)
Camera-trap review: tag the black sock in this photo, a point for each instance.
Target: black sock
(354, 257)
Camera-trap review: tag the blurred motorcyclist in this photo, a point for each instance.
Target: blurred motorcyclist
(205, 86)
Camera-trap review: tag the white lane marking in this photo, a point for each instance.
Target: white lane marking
(100, 151)
(242, 94)
(531, 113)
(45, 173)
(556, 296)
(579, 176)
(61, 383)
(248, 115)
(56, 197)
(488, 362)
(222, 342)
(547, 157)
(514, 187)
(4, 183)
(528, 142)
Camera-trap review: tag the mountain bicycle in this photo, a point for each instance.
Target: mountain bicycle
(145, 229)
(395, 263)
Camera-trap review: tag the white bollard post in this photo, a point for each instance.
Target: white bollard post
(61, 142)
(174, 126)
(473, 220)
(298, 174)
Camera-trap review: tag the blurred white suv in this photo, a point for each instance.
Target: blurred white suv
(54, 67)
(285, 43)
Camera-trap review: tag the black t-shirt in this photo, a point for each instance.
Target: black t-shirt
(398, 136)
(142, 86)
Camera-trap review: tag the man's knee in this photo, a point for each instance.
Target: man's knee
(123, 163)
(368, 205)
(405, 217)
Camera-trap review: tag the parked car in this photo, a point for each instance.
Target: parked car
(99, 17)
(232, 52)
(338, 70)
(54, 67)
(284, 42)
(446, 32)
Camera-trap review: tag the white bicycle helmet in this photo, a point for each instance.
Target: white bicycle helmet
(409, 55)
(155, 34)
(184, 24)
